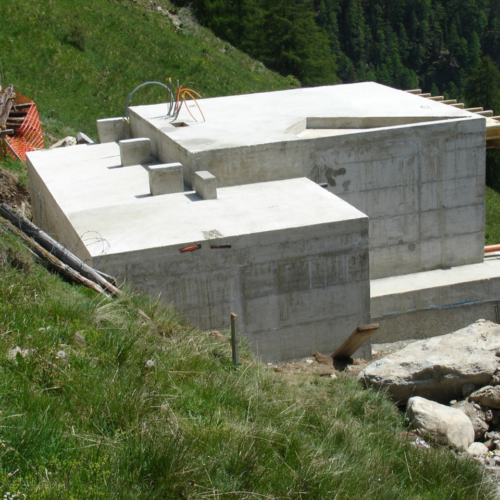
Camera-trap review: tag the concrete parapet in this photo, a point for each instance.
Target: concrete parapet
(112, 129)
(135, 151)
(166, 178)
(205, 185)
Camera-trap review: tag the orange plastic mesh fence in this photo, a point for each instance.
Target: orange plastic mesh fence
(29, 136)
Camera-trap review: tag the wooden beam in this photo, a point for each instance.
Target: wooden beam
(436, 98)
(473, 110)
(459, 105)
(5, 104)
(450, 101)
(425, 95)
(485, 113)
(352, 343)
(414, 91)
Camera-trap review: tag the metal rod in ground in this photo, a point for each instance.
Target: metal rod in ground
(234, 340)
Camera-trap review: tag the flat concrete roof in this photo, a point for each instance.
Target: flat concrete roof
(98, 195)
(252, 119)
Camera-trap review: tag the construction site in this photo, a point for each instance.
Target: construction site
(305, 212)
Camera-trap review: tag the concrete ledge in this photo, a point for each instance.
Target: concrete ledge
(166, 178)
(112, 129)
(135, 151)
(436, 302)
(205, 185)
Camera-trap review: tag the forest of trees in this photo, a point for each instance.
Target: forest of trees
(433, 44)
(446, 47)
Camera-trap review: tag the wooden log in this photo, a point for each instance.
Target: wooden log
(5, 104)
(52, 261)
(25, 105)
(12, 150)
(55, 248)
(352, 343)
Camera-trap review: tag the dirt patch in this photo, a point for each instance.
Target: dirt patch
(321, 365)
(14, 193)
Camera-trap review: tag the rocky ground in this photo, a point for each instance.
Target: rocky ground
(486, 421)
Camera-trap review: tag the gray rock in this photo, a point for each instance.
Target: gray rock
(477, 450)
(443, 424)
(438, 368)
(476, 416)
(487, 396)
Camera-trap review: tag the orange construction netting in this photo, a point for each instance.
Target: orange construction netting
(29, 136)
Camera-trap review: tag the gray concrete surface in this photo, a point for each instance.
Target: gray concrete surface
(135, 151)
(205, 185)
(414, 166)
(433, 303)
(112, 129)
(166, 178)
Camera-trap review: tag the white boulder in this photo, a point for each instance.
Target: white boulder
(443, 424)
(438, 368)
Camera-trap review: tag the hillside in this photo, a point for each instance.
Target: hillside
(79, 60)
(121, 398)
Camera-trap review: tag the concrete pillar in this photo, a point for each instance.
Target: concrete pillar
(112, 129)
(205, 185)
(135, 151)
(166, 178)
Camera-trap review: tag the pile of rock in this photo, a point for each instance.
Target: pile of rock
(450, 386)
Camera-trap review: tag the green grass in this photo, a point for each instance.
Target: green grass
(492, 217)
(84, 415)
(79, 60)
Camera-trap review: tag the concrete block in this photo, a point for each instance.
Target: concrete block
(166, 178)
(112, 129)
(205, 185)
(135, 151)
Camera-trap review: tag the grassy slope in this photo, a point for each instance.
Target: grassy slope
(83, 416)
(492, 218)
(79, 60)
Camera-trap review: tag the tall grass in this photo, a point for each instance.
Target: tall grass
(98, 402)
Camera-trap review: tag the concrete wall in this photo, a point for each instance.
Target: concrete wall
(295, 291)
(422, 185)
(436, 302)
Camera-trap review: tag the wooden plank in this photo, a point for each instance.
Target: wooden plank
(474, 110)
(352, 343)
(436, 98)
(5, 104)
(414, 91)
(459, 105)
(425, 95)
(9, 131)
(486, 113)
(449, 101)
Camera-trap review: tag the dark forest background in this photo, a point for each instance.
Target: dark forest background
(446, 47)
(437, 45)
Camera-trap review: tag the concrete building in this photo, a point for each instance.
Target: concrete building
(226, 215)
